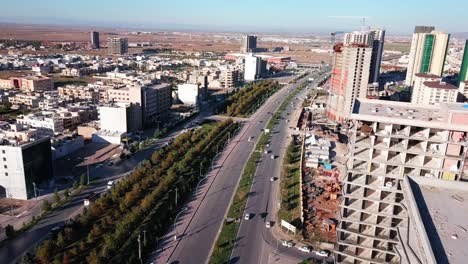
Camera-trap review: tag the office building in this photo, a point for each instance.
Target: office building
(95, 40)
(188, 93)
(117, 46)
(349, 79)
(23, 165)
(427, 53)
(255, 68)
(390, 141)
(430, 89)
(249, 43)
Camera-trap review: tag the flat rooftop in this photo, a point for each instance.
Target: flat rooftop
(443, 210)
(435, 116)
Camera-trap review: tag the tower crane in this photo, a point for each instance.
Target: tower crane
(332, 42)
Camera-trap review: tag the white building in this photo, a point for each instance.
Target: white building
(114, 122)
(429, 89)
(24, 165)
(254, 68)
(49, 124)
(188, 93)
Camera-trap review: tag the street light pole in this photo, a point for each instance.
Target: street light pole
(139, 247)
(87, 171)
(175, 223)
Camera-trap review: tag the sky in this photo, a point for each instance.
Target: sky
(295, 16)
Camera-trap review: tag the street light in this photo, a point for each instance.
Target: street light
(175, 222)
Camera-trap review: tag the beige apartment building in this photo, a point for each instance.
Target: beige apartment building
(427, 53)
(391, 141)
(78, 92)
(430, 89)
(349, 79)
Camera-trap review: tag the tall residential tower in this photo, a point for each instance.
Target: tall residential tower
(249, 43)
(95, 40)
(428, 52)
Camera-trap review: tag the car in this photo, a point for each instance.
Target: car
(99, 165)
(272, 179)
(305, 249)
(247, 216)
(266, 151)
(272, 157)
(110, 184)
(267, 145)
(288, 244)
(323, 253)
(268, 224)
(250, 138)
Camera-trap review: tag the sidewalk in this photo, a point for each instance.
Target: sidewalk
(168, 244)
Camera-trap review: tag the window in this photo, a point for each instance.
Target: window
(3, 151)
(5, 166)
(4, 159)
(6, 173)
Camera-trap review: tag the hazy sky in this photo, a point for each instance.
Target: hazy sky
(397, 16)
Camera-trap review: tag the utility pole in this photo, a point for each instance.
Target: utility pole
(87, 171)
(35, 193)
(139, 247)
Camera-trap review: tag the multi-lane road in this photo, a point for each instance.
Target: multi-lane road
(255, 243)
(199, 224)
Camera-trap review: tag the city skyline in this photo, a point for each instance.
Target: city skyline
(300, 17)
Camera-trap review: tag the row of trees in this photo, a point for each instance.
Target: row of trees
(145, 202)
(246, 100)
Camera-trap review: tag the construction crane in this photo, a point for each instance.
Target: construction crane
(333, 42)
(362, 18)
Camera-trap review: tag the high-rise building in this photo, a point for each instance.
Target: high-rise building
(390, 141)
(349, 79)
(117, 46)
(464, 66)
(374, 39)
(95, 40)
(255, 68)
(427, 54)
(430, 89)
(249, 43)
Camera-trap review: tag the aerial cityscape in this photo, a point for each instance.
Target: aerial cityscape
(233, 132)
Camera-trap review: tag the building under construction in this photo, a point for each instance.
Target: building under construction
(391, 141)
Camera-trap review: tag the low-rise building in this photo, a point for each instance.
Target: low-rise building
(430, 89)
(48, 124)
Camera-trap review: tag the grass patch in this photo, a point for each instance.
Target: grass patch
(225, 242)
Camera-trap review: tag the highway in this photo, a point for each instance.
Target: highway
(199, 224)
(255, 243)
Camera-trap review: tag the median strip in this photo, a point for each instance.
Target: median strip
(226, 238)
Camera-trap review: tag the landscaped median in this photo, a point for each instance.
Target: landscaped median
(225, 242)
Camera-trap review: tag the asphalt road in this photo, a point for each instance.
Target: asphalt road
(255, 243)
(200, 224)
(13, 250)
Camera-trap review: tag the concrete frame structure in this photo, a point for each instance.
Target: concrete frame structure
(117, 46)
(390, 141)
(427, 54)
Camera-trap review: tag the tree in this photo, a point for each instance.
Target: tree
(27, 259)
(93, 257)
(9, 231)
(46, 206)
(44, 251)
(56, 196)
(76, 185)
(60, 240)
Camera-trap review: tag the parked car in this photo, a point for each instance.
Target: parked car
(305, 249)
(288, 244)
(272, 179)
(323, 253)
(268, 224)
(247, 216)
(272, 156)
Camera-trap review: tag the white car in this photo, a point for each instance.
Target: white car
(305, 249)
(247, 217)
(250, 139)
(322, 253)
(268, 224)
(288, 244)
(272, 179)
(272, 156)
(266, 151)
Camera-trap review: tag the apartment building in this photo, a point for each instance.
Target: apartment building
(391, 141)
(25, 161)
(29, 100)
(71, 92)
(95, 40)
(428, 52)
(229, 78)
(249, 43)
(47, 124)
(430, 89)
(255, 67)
(188, 94)
(349, 79)
(117, 46)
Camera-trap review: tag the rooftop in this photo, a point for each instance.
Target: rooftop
(440, 85)
(442, 207)
(435, 116)
(427, 75)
